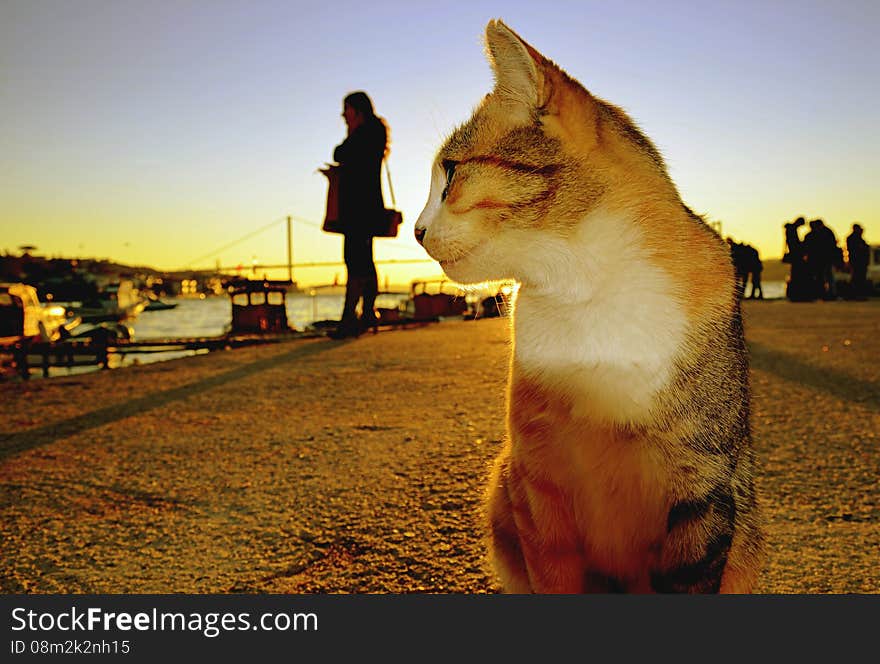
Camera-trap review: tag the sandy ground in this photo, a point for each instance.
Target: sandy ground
(320, 466)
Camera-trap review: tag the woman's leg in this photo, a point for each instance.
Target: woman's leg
(354, 283)
(361, 281)
(371, 287)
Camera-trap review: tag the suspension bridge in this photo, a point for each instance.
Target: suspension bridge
(290, 264)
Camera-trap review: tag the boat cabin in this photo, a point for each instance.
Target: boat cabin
(23, 317)
(448, 299)
(20, 312)
(258, 306)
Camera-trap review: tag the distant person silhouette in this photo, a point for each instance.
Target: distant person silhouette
(746, 263)
(822, 255)
(752, 260)
(360, 158)
(858, 253)
(800, 286)
(740, 265)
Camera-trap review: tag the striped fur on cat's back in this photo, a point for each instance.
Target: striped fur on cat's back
(628, 464)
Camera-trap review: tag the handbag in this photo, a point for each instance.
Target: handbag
(332, 222)
(391, 219)
(385, 225)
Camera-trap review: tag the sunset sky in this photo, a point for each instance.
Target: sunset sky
(161, 133)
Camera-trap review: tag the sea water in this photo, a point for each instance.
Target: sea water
(211, 316)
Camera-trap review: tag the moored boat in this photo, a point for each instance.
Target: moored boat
(24, 318)
(155, 304)
(117, 301)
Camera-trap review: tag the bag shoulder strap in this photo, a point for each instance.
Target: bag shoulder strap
(390, 187)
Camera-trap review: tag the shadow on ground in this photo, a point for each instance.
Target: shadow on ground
(14, 443)
(837, 383)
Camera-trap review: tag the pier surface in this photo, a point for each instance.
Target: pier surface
(322, 466)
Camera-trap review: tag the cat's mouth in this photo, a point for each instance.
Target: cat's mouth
(451, 262)
(457, 257)
(462, 266)
(447, 262)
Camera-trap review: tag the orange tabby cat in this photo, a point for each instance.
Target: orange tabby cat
(629, 464)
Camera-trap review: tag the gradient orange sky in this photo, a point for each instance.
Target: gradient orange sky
(161, 133)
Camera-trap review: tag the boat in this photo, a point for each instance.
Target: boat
(155, 304)
(24, 318)
(447, 300)
(116, 302)
(258, 307)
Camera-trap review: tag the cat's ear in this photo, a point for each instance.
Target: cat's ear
(518, 68)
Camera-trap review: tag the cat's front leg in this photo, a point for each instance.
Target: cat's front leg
(526, 558)
(505, 549)
(698, 543)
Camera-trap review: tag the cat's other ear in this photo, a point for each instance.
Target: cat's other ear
(518, 68)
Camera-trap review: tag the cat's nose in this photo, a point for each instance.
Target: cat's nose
(420, 234)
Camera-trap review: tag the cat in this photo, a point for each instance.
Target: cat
(628, 464)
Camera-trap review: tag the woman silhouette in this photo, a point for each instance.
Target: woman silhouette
(360, 158)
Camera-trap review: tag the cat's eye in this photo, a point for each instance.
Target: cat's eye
(449, 168)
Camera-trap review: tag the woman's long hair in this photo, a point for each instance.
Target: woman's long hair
(361, 102)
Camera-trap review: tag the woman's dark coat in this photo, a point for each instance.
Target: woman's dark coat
(360, 190)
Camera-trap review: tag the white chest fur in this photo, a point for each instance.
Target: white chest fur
(608, 328)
